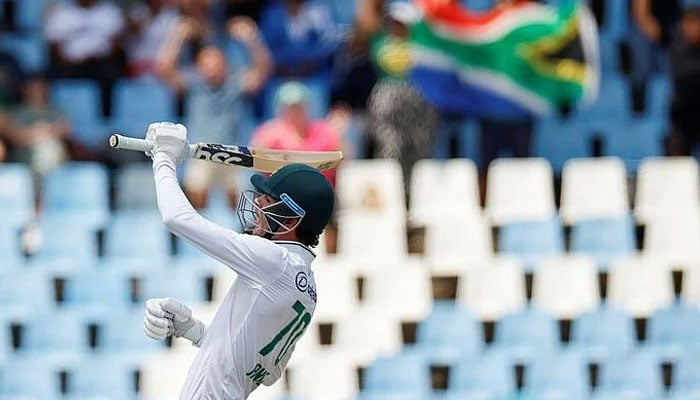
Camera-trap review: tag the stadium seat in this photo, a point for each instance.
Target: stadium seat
(336, 287)
(403, 374)
(343, 11)
(16, 195)
(558, 139)
(138, 102)
(453, 246)
(163, 373)
(674, 330)
(80, 189)
(120, 336)
(562, 376)
(493, 289)
(531, 242)
(448, 334)
(30, 378)
(488, 376)
(690, 290)
(366, 235)
(603, 333)
(366, 334)
(604, 240)
(101, 377)
(80, 100)
(30, 14)
(666, 187)
(98, 289)
(614, 102)
(224, 279)
(636, 376)
(25, 292)
(29, 49)
(658, 93)
(187, 285)
(633, 142)
(527, 335)
(686, 377)
(593, 189)
(330, 374)
(616, 22)
(442, 190)
(609, 54)
(639, 286)
(375, 185)
(64, 237)
(675, 240)
(405, 291)
(519, 190)
(68, 334)
(566, 287)
(135, 188)
(137, 234)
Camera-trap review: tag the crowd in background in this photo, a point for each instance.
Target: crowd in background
(361, 61)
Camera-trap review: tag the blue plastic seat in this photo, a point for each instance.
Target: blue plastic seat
(674, 329)
(101, 377)
(614, 102)
(635, 141)
(562, 376)
(64, 237)
(25, 292)
(617, 19)
(609, 54)
(80, 99)
(527, 335)
(30, 50)
(604, 333)
(448, 334)
(637, 376)
(30, 378)
(99, 289)
(139, 102)
(81, 189)
(30, 14)
(135, 188)
(184, 284)
(138, 234)
(343, 11)
(559, 139)
(686, 377)
(398, 375)
(121, 333)
(658, 94)
(490, 376)
(531, 242)
(604, 240)
(16, 195)
(61, 334)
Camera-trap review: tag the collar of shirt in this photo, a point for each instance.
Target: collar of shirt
(299, 249)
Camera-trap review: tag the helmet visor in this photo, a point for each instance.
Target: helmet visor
(256, 216)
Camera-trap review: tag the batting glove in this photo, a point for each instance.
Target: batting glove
(166, 316)
(168, 138)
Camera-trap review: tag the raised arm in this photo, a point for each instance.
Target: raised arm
(246, 31)
(241, 253)
(166, 62)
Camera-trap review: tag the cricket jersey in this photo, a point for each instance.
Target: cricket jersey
(264, 313)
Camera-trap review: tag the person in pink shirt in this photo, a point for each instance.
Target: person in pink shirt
(293, 129)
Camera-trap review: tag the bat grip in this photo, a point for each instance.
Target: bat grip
(128, 143)
(117, 141)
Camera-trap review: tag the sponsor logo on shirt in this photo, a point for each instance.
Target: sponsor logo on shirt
(302, 283)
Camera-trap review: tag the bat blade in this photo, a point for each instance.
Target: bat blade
(265, 160)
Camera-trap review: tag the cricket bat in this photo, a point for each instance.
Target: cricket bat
(263, 160)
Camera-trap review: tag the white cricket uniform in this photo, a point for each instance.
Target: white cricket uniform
(264, 313)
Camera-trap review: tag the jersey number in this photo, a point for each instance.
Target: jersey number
(292, 332)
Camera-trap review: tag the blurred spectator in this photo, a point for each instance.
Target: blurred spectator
(653, 24)
(301, 36)
(3, 151)
(83, 41)
(401, 122)
(11, 76)
(217, 100)
(293, 129)
(38, 130)
(685, 71)
(150, 25)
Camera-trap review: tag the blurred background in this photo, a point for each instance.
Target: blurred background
(539, 242)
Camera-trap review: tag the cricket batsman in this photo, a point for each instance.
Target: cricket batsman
(265, 312)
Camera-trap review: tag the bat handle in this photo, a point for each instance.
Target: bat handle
(117, 141)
